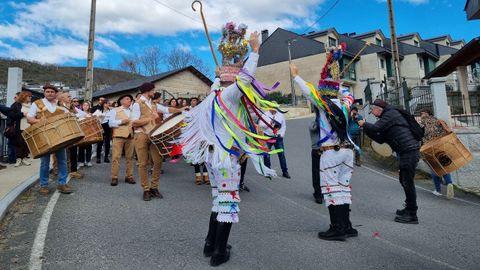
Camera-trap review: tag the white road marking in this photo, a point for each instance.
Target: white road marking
(36, 256)
(416, 186)
(416, 253)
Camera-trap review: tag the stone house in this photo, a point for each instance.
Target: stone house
(185, 82)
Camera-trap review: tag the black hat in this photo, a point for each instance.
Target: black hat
(121, 97)
(146, 87)
(49, 86)
(380, 103)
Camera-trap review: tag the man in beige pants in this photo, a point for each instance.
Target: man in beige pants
(144, 114)
(119, 121)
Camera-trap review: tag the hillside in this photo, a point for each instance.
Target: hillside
(36, 73)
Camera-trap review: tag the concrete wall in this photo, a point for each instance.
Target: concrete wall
(373, 39)
(324, 38)
(467, 177)
(184, 84)
(410, 67)
(411, 41)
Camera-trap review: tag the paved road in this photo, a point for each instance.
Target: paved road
(104, 227)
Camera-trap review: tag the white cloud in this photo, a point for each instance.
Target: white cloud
(184, 47)
(61, 50)
(35, 23)
(204, 48)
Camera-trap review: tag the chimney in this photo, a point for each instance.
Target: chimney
(264, 35)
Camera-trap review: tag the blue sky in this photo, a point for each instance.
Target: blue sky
(55, 31)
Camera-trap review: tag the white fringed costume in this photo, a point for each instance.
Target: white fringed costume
(336, 165)
(209, 140)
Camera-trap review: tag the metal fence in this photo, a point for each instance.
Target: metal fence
(419, 99)
(416, 99)
(456, 101)
(391, 96)
(466, 120)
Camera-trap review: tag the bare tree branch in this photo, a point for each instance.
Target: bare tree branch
(130, 63)
(178, 58)
(151, 60)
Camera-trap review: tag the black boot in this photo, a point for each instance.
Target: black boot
(401, 212)
(212, 232)
(349, 230)
(336, 232)
(408, 217)
(222, 252)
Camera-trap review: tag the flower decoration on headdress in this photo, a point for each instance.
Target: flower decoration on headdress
(329, 83)
(233, 45)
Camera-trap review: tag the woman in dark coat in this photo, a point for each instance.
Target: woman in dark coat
(18, 114)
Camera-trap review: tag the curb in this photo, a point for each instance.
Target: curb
(12, 196)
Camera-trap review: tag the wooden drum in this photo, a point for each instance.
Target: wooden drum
(92, 129)
(445, 154)
(163, 135)
(54, 133)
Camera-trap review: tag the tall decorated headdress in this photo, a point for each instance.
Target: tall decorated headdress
(234, 48)
(329, 83)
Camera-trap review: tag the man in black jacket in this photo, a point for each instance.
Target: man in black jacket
(392, 128)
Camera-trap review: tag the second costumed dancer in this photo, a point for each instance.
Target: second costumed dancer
(221, 128)
(336, 161)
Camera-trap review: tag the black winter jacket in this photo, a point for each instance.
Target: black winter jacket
(16, 114)
(393, 129)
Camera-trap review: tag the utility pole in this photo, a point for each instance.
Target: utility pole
(91, 39)
(396, 58)
(294, 98)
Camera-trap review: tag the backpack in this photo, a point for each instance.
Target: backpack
(417, 131)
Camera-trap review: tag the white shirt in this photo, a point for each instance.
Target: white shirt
(136, 113)
(81, 114)
(51, 107)
(113, 122)
(269, 117)
(102, 116)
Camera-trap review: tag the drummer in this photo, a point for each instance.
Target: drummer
(40, 111)
(72, 159)
(144, 115)
(120, 123)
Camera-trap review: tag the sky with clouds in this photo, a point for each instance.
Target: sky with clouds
(56, 31)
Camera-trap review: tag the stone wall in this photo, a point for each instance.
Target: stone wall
(468, 177)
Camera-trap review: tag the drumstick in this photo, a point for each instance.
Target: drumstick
(206, 29)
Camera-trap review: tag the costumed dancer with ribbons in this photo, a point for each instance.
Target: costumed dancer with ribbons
(220, 129)
(336, 161)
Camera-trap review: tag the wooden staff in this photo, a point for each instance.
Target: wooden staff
(355, 57)
(206, 29)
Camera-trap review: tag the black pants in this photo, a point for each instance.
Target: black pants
(202, 166)
(85, 153)
(243, 169)
(73, 152)
(408, 164)
(316, 173)
(107, 137)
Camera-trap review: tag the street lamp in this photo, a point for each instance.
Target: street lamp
(289, 44)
